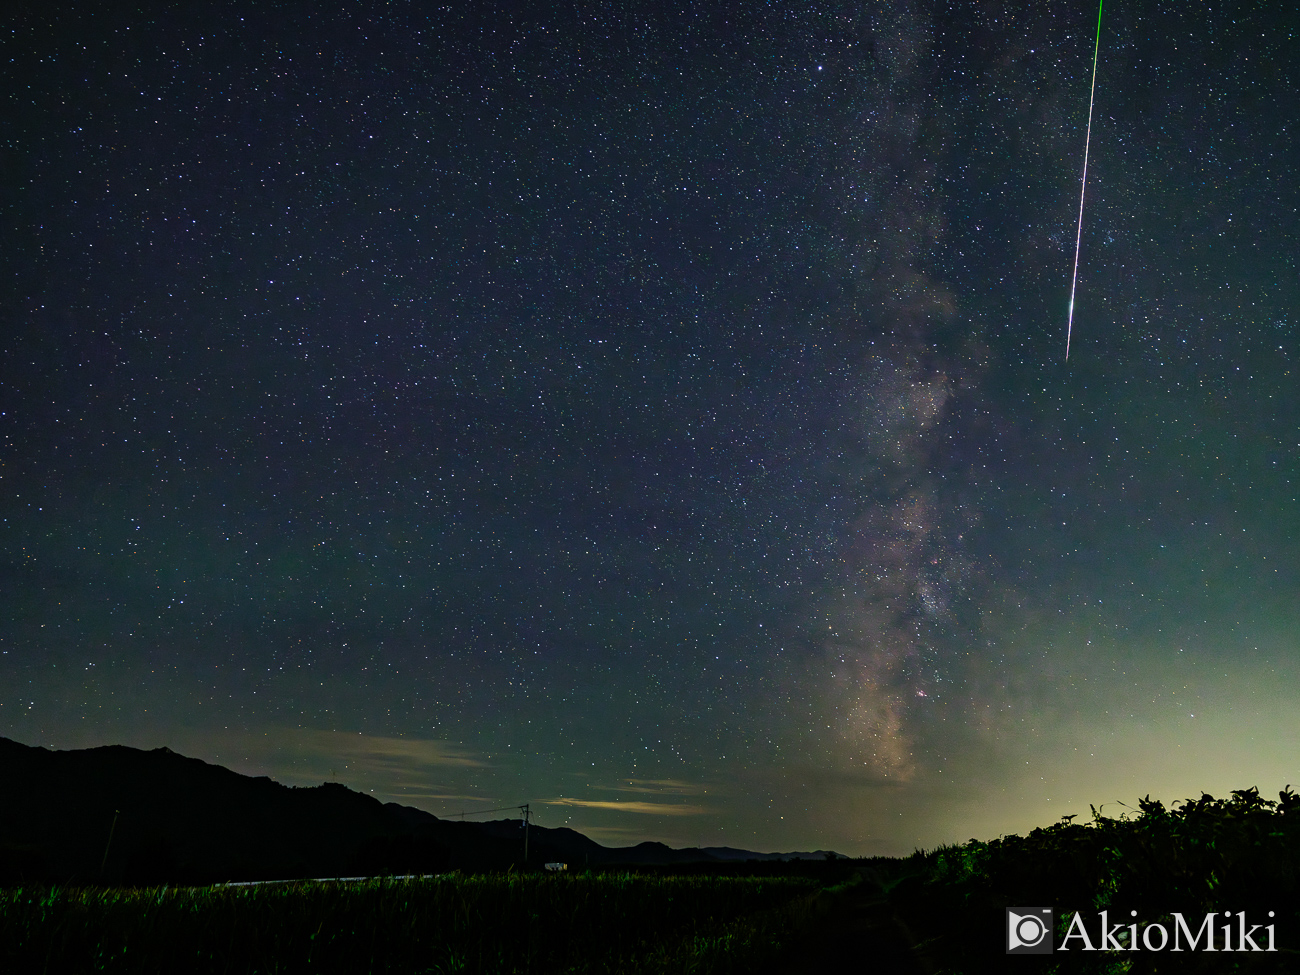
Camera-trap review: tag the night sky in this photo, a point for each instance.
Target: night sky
(658, 415)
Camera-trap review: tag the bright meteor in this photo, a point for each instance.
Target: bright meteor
(1087, 140)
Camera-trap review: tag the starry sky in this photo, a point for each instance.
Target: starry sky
(658, 413)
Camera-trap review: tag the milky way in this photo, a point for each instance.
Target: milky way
(887, 627)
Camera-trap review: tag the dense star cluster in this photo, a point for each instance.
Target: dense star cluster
(657, 413)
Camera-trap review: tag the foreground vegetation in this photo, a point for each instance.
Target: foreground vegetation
(941, 911)
(1208, 855)
(504, 923)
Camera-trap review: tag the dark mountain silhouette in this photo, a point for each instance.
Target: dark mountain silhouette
(183, 821)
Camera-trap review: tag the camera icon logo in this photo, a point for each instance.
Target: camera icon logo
(1029, 930)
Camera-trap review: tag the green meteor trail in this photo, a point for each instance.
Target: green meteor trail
(1087, 140)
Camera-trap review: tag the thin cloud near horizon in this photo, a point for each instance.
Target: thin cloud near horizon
(642, 808)
(667, 787)
(401, 751)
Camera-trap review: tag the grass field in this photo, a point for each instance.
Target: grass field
(490, 924)
(1222, 857)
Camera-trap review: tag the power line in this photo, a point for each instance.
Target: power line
(484, 812)
(523, 808)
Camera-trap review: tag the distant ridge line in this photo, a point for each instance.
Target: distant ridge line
(184, 821)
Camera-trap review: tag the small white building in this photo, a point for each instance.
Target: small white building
(556, 867)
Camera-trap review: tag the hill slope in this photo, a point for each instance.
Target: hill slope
(182, 820)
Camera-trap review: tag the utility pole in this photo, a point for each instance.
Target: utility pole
(524, 810)
(104, 862)
(527, 814)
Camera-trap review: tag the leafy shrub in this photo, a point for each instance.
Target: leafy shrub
(1204, 855)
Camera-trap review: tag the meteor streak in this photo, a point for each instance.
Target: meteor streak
(1087, 140)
